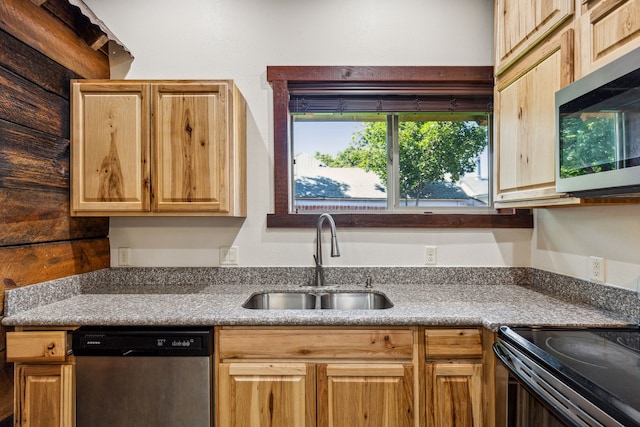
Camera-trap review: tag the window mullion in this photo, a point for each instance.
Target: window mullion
(393, 162)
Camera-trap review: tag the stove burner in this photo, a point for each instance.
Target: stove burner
(594, 352)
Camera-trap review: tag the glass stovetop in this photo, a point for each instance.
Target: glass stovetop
(609, 358)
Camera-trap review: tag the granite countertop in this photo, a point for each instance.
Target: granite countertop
(211, 303)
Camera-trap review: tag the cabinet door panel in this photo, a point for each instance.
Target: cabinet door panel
(361, 395)
(523, 24)
(266, 395)
(191, 147)
(527, 123)
(454, 394)
(44, 395)
(110, 147)
(608, 31)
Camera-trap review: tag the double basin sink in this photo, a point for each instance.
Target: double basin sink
(318, 300)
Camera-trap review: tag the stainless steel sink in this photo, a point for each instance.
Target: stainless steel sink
(343, 300)
(355, 301)
(281, 301)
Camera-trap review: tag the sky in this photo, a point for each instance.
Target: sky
(326, 137)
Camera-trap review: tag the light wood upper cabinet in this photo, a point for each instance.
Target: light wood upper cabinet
(158, 148)
(520, 25)
(608, 30)
(534, 47)
(540, 47)
(110, 159)
(525, 123)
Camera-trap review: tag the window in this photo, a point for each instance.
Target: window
(390, 161)
(408, 147)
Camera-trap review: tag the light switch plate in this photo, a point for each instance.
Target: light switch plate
(124, 257)
(229, 255)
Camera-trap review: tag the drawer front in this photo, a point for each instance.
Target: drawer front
(315, 343)
(49, 346)
(459, 343)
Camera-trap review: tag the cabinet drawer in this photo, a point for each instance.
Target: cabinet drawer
(315, 343)
(50, 346)
(457, 343)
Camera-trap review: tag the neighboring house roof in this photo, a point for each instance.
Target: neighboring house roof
(314, 180)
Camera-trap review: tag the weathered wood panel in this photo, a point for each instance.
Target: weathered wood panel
(33, 160)
(29, 264)
(38, 216)
(42, 31)
(29, 105)
(40, 53)
(27, 62)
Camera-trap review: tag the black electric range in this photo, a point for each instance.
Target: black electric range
(594, 371)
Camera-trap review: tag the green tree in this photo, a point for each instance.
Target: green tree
(589, 144)
(433, 151)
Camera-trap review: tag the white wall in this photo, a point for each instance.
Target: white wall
(208, 39)
(565, 238)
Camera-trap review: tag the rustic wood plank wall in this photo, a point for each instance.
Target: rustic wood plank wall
(42, 46)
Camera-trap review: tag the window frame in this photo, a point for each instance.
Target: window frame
(449, 80)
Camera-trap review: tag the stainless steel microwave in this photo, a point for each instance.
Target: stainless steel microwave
(598, 132)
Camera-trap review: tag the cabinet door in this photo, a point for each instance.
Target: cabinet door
(44, 396)
(110, 147)
(522, 24)
(266, 395)
(454, 394)
(359, 395)
(192, 144)
(526, 123)
(608, 30)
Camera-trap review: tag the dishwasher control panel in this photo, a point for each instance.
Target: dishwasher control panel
(129, 341)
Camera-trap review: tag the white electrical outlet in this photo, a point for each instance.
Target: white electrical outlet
(124, 256)
(596, 269)
(229, 255)
(430, 255)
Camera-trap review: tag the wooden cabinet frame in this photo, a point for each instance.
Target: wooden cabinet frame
(345, 372)
(158, 148)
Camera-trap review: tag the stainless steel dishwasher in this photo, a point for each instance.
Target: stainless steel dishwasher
(160, 377)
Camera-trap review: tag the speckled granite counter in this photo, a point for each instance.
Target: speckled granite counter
(487, 297)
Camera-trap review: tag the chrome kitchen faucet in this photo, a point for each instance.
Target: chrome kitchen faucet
(335, 251)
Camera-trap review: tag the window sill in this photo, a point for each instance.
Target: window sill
(510, 219)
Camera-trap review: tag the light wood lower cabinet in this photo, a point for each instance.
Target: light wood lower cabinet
(353, 394)
(283, 377)
(458, 392)
(454, 394)
(44, 395)
(267, 394)
(44, 379)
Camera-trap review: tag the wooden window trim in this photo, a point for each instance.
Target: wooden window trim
(389, 78)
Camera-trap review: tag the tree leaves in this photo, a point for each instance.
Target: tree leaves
(433, 151)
